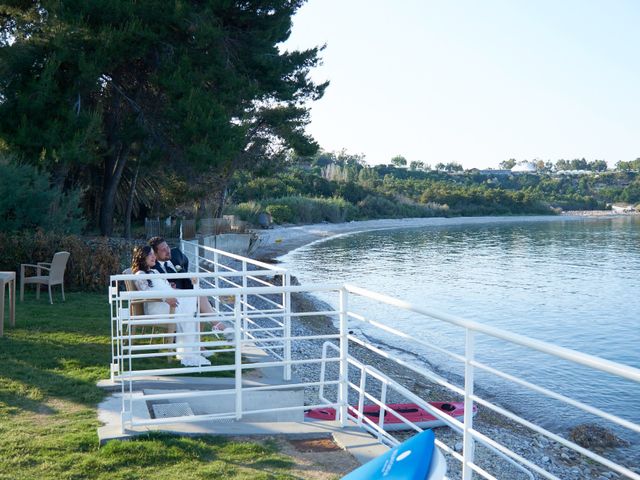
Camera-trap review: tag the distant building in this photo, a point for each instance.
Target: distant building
(524, 167)
(623, 209)
(494, 172)
(574, 172)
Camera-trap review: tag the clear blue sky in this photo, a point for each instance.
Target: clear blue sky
(476, 82)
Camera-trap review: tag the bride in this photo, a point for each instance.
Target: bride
(143, 259)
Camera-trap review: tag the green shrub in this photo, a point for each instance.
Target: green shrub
(298, 209)
(247, 211)
(280, 213)
(91, 263)
(376, 207)
(28, 201)
(400, 207)
(309, 210)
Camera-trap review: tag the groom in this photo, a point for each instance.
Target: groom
(171, 261)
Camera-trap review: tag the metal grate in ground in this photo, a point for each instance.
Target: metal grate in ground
(169, 410)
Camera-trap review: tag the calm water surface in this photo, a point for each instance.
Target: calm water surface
(574, 283)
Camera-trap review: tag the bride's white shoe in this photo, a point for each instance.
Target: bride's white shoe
(219, 329)
(195, 361)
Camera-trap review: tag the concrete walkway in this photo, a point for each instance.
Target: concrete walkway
(354, 440)
(196, 396)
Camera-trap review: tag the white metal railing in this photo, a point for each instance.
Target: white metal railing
(471, 365)
(356, 414)
(344, 376)
(275, 320)
(123, 324)
(132, 349)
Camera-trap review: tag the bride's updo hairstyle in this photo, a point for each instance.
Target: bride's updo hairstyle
(139, 260)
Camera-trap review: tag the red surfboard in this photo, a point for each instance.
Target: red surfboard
(412, 412)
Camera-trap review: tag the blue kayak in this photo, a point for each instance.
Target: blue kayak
(410, 460)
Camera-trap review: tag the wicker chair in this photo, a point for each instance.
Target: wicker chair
(56, 271)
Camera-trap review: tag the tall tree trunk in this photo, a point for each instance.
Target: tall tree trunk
(114, 166)
(220, 201)
(127, 214)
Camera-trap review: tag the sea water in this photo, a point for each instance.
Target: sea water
(573, 282)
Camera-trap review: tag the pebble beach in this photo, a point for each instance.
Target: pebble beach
(536, 448)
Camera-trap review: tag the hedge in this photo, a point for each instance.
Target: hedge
(92, 261)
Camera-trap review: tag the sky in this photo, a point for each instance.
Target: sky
(476, 82)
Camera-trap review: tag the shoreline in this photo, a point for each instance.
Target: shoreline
(539, 449)
(553, 456)
(278, 241)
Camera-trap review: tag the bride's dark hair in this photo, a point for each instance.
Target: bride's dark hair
(139, 260)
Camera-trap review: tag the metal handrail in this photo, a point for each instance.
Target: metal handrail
(580, 358)
(244, 315)
(234, 256)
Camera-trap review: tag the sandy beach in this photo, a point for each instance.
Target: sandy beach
(280, 240)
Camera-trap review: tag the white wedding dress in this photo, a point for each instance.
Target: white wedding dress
(190, 333)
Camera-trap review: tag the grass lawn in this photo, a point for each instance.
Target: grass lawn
(49, 365)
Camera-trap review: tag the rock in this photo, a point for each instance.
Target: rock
(545, 459)
(458, 447)
(592, 436)
(264, 220)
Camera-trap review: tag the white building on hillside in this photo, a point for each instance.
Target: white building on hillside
(524, 167)
(623, 209)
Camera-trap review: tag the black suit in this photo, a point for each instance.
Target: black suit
(177, 258)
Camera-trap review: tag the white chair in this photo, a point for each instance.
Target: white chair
(56, 271)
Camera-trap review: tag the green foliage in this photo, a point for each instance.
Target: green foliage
(246, 187)
(91, 263)
(508, 164)
(368, 177)
(483, 200)
(314, 210)
(419, 165)
(247, 211)
(450, 167)
(281, 213)
(28, 201)
(631, 193)
(399, 161)
(381, 207)
(354, 192)
(88, 88)
(633, 165)
(581, 164)
(342, 158)
(298, 209)
(386, 191)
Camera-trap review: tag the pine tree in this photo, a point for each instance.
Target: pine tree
(87, 88)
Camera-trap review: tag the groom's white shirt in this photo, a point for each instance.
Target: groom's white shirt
(168, 264)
